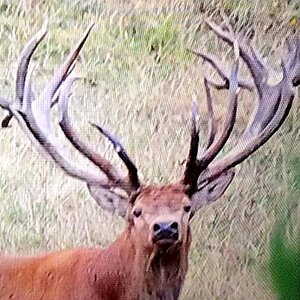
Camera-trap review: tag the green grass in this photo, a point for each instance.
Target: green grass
(284, 262)
(284, 265)
(140, 82)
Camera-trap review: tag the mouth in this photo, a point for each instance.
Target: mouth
(165, 240)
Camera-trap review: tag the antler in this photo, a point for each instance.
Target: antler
(33, 115)
(273, 104)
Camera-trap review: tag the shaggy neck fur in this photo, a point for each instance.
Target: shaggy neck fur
(143, 273)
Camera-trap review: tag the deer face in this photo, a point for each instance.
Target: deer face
(160, 215)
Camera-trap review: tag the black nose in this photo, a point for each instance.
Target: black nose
(165, 230)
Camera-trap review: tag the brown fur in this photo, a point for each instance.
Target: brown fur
(131, 268)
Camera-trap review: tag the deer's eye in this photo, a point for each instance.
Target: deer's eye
(137, 212)
(187, 208)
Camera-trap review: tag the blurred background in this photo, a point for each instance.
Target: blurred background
(139, 83)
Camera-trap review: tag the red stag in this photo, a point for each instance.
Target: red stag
(150, 258)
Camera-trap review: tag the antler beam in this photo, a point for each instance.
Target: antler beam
(33, 115)
(273, 104)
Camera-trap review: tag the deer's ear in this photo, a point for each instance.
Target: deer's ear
(212, 191)
(109, 200)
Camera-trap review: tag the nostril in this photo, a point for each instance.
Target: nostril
(156, 227)
(174, 226)
(165, 231)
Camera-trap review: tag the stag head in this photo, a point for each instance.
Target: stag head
(160, 215)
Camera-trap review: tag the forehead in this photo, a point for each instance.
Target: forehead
(167, 196)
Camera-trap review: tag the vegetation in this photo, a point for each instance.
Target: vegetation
(139, 82)
(284, 262)
(284, 266)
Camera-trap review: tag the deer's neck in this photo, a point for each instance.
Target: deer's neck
(144, 272)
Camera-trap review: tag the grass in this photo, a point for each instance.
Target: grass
(140, 81)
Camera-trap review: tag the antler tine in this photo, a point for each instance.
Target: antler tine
(213, 123)
(43, 105)
(57, 93)
(292, 61)
(71, 134)
(62, 72)
(222, 72)
(132, 169)
(259, 61)
(28, 95)
(23, 64)
(24, 60)
(257, 70)
(215, 63)
(188, 176)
